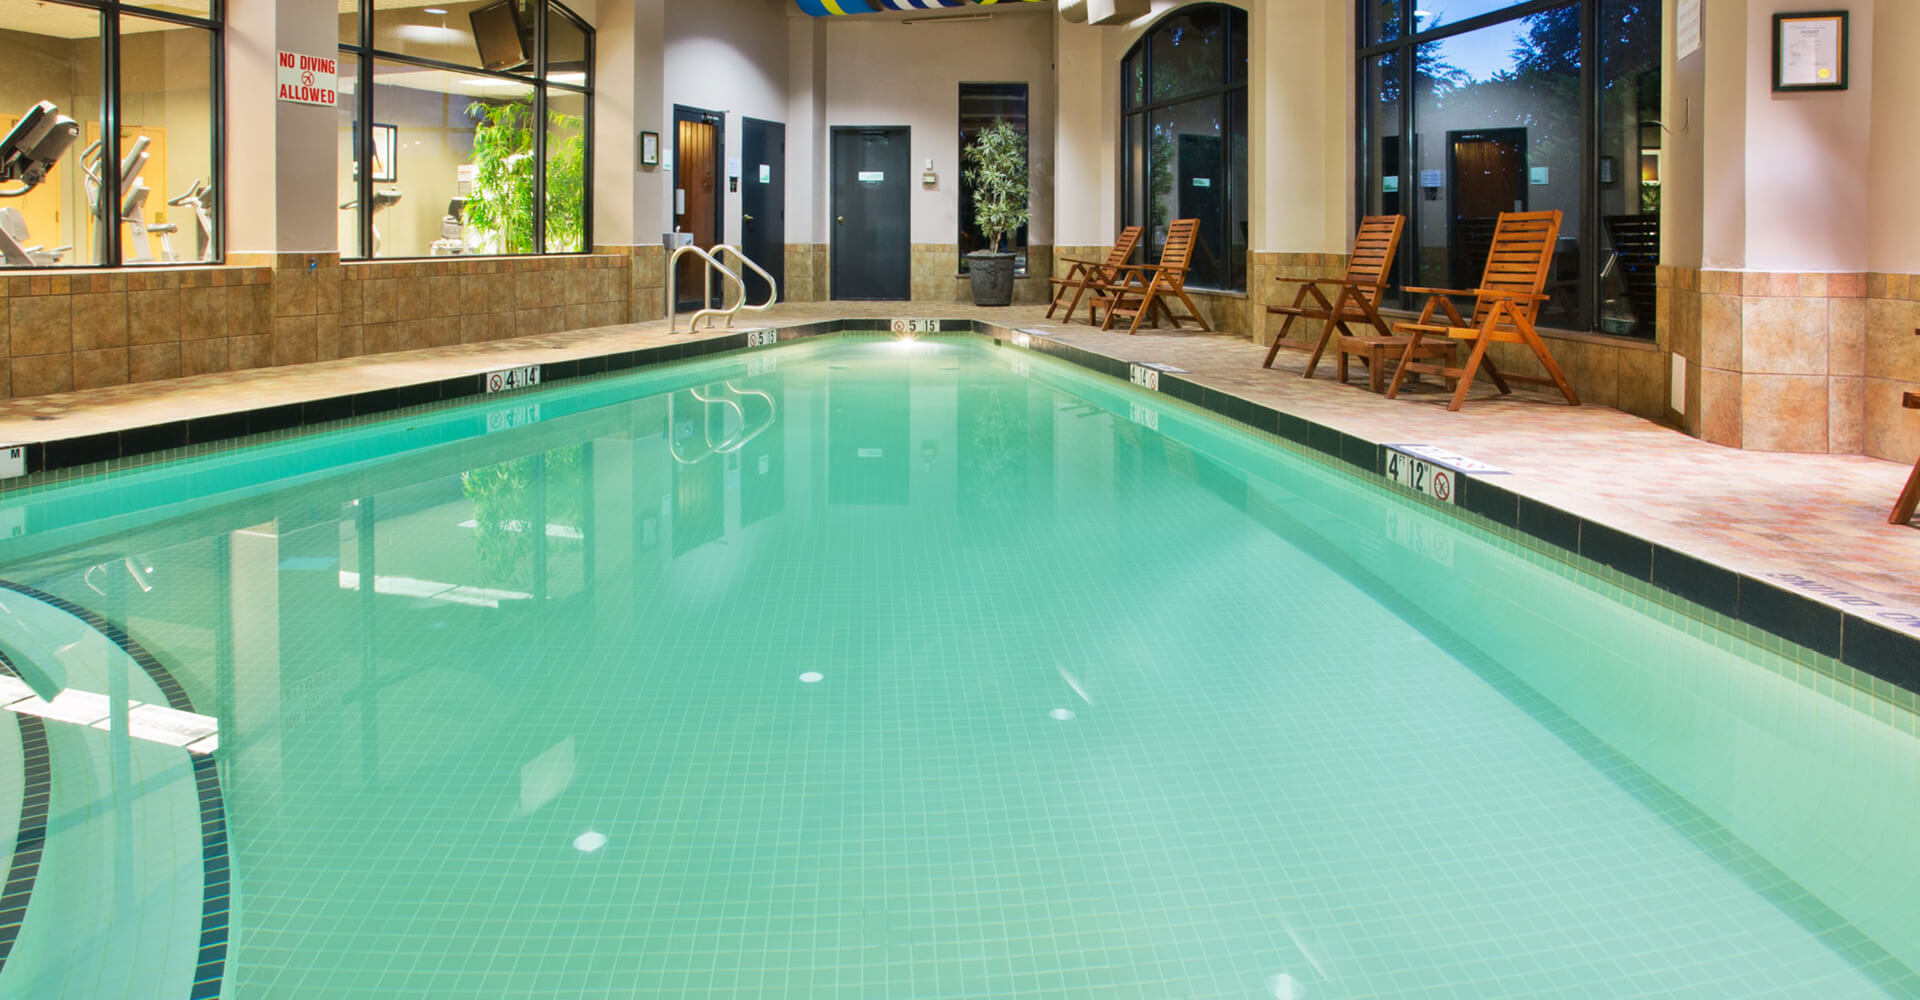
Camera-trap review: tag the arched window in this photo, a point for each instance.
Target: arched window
(1183, 118)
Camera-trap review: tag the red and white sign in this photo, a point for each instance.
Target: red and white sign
(309, 79)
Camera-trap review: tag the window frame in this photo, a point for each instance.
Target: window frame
(110, 13)
(366, 56)
(1405, 46)
(1231, 81)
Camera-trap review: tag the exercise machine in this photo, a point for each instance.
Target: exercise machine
(453, 231)
(31, 149)
(199, 197)
(129, 208)
(381, 200)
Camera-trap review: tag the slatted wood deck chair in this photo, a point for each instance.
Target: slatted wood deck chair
(1369, 269)
(1142, 290)
(1504, 309)
(1084, 275)
(1910, 496)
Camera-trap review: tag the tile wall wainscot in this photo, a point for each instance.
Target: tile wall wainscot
(403, 305)
(85, 331)
(807, 272)
(646, 279)
(1788, 361)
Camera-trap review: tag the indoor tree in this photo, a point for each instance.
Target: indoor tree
(500, 203)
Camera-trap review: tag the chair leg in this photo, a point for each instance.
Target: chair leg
(1340, 363)
(1401, 371)
(1078, 291)
(1282, 335)
(1376, 360)
(1546, 361)
(1474, 358)
(1191, 308)
(1909, 499)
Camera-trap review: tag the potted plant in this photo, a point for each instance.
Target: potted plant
(996, 162)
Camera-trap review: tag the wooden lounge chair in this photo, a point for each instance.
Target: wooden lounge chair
(1910, 496)
(1141, 290)
(1087, 274)
(1369, 269)
(1504, 308)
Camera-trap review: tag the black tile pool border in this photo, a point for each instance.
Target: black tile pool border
(30, 840)
(216, 862)
(1778, 607)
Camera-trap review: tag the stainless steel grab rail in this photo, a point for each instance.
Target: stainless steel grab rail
(713, 261)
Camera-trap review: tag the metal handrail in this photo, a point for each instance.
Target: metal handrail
(713, 259)
(713, 264)
(773, 287)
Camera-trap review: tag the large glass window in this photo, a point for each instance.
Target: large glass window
(465, 128)
(1184, 129)
(982, 104)
(1505, 116)
(148, 194)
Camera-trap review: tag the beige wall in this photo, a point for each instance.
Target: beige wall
(728, 56)
(1893, 240)
(882, 72)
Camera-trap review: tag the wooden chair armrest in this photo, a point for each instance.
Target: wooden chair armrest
(1911, 400)
(1084, 261)
(1318, 281)
(1491, 293)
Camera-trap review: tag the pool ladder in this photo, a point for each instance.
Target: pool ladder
(729, 398)
(728, 276)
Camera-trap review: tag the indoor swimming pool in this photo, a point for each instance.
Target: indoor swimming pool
(878, 668)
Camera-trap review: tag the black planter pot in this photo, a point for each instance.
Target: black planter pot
(992, 275)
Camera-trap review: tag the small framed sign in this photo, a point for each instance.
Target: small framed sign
(649, 149)
(1810, 50)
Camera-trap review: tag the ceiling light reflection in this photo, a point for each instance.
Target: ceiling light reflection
(1061, 715)
(812, 677)
(589, 842)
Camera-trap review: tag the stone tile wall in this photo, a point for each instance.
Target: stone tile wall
(807, 272)
(1778, 361)
(403, 305)
(85, 331)
(646, 279)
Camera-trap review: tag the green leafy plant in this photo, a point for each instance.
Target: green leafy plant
(996, 162)
(504, 517)
(500, 203)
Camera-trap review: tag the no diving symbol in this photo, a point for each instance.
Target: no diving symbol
(496, 382)
(1442, 484)
(306, 78)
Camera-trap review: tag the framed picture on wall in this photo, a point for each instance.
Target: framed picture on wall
(1810, 50)
(649, 149)
(1606, 170)
(386, 153)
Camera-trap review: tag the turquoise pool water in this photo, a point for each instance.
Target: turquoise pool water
(862, 668)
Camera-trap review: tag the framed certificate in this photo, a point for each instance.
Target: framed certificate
(649, 149)
(1810, 50)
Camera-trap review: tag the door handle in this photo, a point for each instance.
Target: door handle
(841, 219)
(746, 218)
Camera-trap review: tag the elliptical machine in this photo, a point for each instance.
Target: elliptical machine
(31, 149)
(199, 197)
(130, 207)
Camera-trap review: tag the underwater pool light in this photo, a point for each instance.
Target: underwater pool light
(589, 842)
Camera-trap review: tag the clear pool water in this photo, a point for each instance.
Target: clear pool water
(874, 669)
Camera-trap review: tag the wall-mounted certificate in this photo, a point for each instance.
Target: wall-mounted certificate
(1810, 50)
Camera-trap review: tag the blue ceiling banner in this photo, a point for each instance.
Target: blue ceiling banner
(829, 8)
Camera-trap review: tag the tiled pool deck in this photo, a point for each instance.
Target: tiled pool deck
(1815, 523)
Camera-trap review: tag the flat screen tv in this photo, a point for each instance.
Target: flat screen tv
(499, 35)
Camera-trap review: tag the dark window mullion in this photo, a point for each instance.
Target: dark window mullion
(109, 199)
(363, 156)
(540, 126)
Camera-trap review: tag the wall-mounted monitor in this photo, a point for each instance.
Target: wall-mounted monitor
(501, 35)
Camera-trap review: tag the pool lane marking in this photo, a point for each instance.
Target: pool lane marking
(216, 866)
(36, 792)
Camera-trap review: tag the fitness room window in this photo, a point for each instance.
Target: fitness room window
(163, 160)
(1503, 117)
(463, 100)
(1183, 121)
(982, 104)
